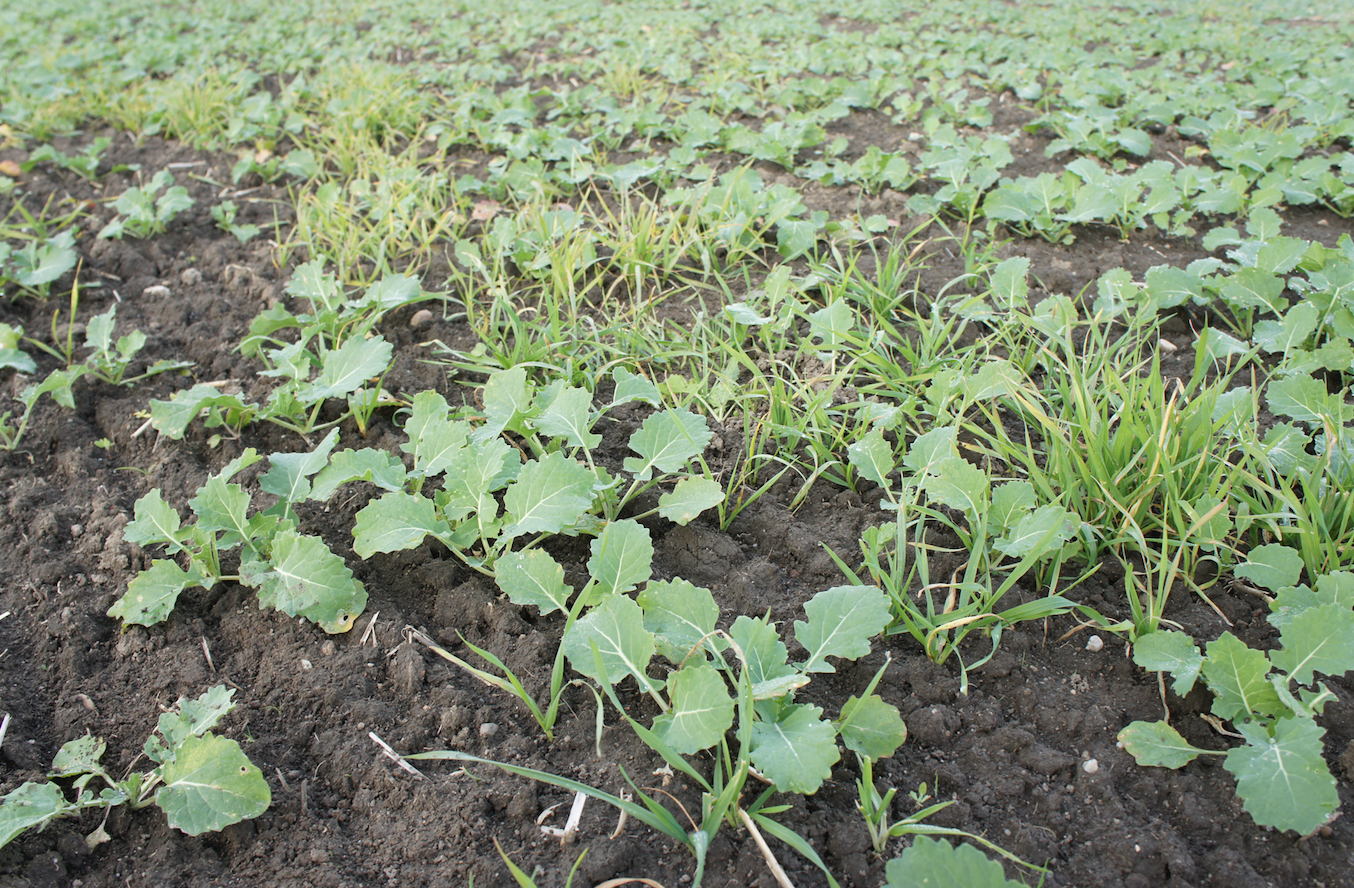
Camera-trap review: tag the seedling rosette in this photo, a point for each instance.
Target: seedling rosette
(1282, 777)
(202, 782)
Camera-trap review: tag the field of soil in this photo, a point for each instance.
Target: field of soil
(1028, 755)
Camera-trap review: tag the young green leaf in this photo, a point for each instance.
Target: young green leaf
(288, 475)
(872, 457)
(347, 367)
(842, 620)
(1283, 780)
(666, 442)
(1173, 652)
(871, 728)
(1304, 399)
(193, 718)
(211, 784)
(156, 524)
(550, 494)
(701, 712)
(680, 615)
(151, 595)
(632, 387)
(376, 466)
(434, 438)
(472, 476)
(569, 416)
(930, 449)
(507, 400)
(764, 654)
(616, 627)
(959, 484)
(533, 577)
(78, 756)
(689, 498)
(1042, 531)
(1157, 744)
(394, 522)
(935, 863)
(303, 578)
(32, 804)
(1011, 502)
(1236, 674)
(171, 418)
(796, 750)
(622, 556)
(1320, 639)
(1272, 566)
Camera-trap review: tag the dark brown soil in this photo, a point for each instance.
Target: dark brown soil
(1011, 752)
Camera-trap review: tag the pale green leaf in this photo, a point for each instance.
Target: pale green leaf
(1282, 336)
(764, 654)
(396, 521)
(211, 784)
(222, 508)
(935, 863)
(193, 718)
(156, 523)
(1038, 533)
(288, 476)
(1283, 780)
(29, 806)
(616, 627)
(1320, 639)
(959, 484)
(930, 449)
(632, 387)
(303, 578)
(434, 438)
(841, 622)
(871, 728)
(797, 750)
(1272, 566)
(347, 368)
(1158, 745)
(689, 498)
(666, 442)
(1236, 674)
(533, 577)
(507, 400)
(701, 712)
(1304, 399)
(832, 325)
(1010, 286)
(151, 595)
(171, 418)
(872, 456)
(1170, 651)
(376, 466)
(472, 476)
(78, 756)
(1011, 502)
(569, 416)
(550, 494)
(622, 556)
(679, 614)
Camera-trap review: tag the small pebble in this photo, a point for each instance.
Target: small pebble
(1168, 347)
(156, 292)
(1090, 766)
(190, 276)
(327, 648)
(421, 317)
(1095, 643)
(488, 729)
(306, 666)
(77, 530)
